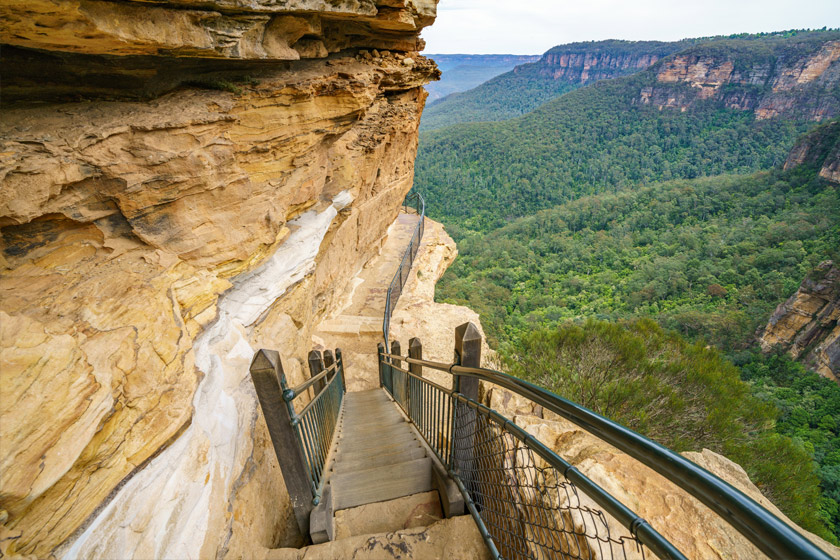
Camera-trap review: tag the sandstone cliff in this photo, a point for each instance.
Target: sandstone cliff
(228, 168)
(584, 63)
(794, 78)
(807, 325)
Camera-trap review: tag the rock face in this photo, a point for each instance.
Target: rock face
(157, 233)
(807, 325)
(794, 80)
(258, 29)
(819, 149)
(584, 63)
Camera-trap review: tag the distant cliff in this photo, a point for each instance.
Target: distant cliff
(584, 63)
(559, 70)
(795, 77)
(791, 74)
(806, 325)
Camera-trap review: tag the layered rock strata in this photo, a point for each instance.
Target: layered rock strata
(790, 80)
(807, 325)
(152, 241)
(584, 63)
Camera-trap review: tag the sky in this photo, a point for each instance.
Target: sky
(534, 26)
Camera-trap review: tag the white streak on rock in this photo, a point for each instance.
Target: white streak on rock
(170, 508)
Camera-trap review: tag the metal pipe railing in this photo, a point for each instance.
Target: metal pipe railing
(300, 389)
(766, 531)
(637, 526)
(314, 426)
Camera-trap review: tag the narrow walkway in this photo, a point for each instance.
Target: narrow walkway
(358, 328)
(378, 456)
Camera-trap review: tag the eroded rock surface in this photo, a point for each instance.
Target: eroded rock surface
(234, 29)
(456, 538)
(807, 325)
(793, 81)
(150, 246)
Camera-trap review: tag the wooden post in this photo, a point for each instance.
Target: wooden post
(466, 426)
(395, 349)
(380, 350)
(415, 350)
(328, 361)
(340, 359)
(316, 366)
(268, 377)
(468, 354)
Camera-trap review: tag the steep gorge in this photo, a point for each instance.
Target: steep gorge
(182, 182)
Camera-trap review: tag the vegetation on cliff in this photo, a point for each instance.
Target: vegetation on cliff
(689, 397)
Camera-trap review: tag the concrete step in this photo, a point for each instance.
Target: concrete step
(381, 483)
(377, 395)
(370, 408)
(352, 324)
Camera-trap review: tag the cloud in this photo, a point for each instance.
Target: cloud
(534, 26)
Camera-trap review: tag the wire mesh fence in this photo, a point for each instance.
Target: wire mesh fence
(529, 508)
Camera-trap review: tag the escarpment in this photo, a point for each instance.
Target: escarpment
(182, 182)
(794, 79)
(584, 63)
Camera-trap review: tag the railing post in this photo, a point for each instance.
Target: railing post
(380, 350)
(467, 354)
(329, 360)
(268, 377)
(316, 366)
(340, 359)
(395, 349)
(415, 350)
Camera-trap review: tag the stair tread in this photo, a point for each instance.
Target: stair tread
(354, 453)
(368, 461)
(383, 431)
(381, 483)
(374, 442)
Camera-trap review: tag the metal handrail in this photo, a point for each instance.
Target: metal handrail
(766, 531)
(401, 276)
(290, 394)
(637, 526)
(314, 426)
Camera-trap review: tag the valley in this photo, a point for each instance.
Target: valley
(645, 227)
